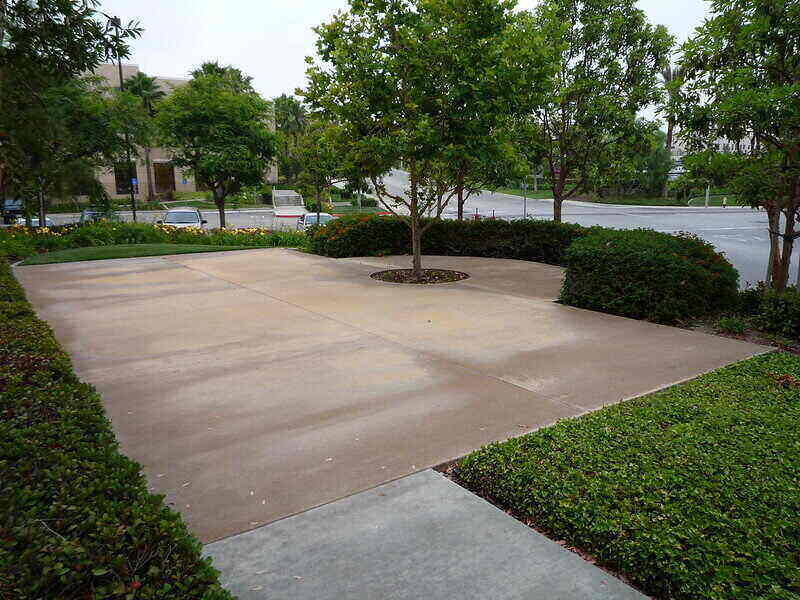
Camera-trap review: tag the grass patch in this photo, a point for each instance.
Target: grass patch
(123, 251)
(690, 493)
(541, 194)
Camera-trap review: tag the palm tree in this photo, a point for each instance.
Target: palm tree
(148, 90)
(672, 76)
(672, 73)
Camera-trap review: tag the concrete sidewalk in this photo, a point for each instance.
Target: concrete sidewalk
(422, 536)
(254, 385)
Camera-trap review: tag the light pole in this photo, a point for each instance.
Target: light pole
(131, 178)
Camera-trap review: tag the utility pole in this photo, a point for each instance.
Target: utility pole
(708, 192)
(131, 178)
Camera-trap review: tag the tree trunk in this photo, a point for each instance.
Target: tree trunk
(786, 251)
(219, 200)
(460, 188)
(416, 236)
(148, 169)
(780, 257)
(416, 249)
(42, 215)
(670, 133)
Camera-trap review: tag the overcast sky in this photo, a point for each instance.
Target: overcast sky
(269, 39)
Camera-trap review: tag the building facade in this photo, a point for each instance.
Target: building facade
(165, 176)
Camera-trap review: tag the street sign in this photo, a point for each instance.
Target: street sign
(134, 181)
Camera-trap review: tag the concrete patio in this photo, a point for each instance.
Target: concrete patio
(255, 385)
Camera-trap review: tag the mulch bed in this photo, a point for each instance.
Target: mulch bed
(428, 276)
(751, 335)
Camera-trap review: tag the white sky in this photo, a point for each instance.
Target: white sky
(269, 39)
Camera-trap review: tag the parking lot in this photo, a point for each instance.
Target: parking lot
(254, 385)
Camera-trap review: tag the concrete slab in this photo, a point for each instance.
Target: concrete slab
(421, 536)
(255, 385)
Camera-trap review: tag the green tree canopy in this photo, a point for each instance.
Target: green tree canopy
(607, 58)
(742, 84)
(220, 132)
(394, 75)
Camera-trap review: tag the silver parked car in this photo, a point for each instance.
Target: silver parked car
(48, 222)
(309, 219)
(183, 217)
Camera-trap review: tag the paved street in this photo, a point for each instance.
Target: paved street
(741, 233)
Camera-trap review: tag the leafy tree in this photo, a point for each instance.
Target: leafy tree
(219, 130)
(672, 76)
(291, 120)
(43, 45)
(233, 77)
(149, 92)
(641, 167)
(390, 74)
(77, 126)
(607, 58)
(742, 81)
(321, 151)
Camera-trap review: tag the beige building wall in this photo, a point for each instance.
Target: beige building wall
(160, 158)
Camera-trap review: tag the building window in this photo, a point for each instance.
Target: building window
(122, 173)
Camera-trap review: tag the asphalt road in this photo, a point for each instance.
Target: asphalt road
(741, 233)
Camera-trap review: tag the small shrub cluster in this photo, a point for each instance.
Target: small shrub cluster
(645, 274)
(691, 493)
(19, 242)
(365, 235)
(778, 313)
(76, 519)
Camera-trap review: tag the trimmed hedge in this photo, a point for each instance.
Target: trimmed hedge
(19, 242)
(364, 235)
(645, 274)
(691, 493)
(76, 519)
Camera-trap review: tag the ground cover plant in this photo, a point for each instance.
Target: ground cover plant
(122, 251)
(19, 242)
(691, 493)
(76, 519)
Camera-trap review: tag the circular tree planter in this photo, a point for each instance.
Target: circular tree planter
(428, 276)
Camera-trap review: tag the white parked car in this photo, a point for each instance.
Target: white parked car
(48, 222)
(183, 217)
(309, 219)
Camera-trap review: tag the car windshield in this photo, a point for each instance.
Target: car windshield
(181, 217)
(312, 219)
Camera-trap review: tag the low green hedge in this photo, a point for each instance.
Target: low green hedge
(779, 312)
(19, 242)
(645, 274)
(76, 519)
(691, 493)
(362, 235)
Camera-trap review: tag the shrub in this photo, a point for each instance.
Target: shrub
(731, 325)
(750, 300)
(691, 493)
(19, 242)
(780, 313)
(645, 274)
(361, 235)
(76, 519)
(365, 202)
